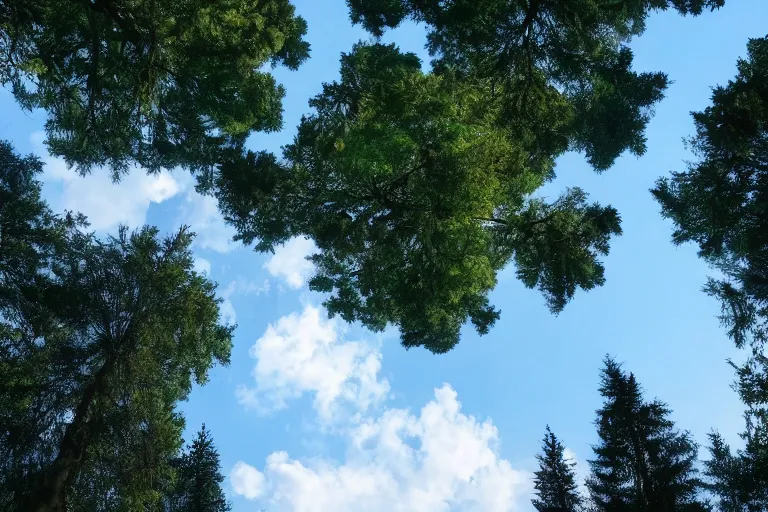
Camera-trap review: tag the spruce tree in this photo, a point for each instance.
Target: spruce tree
(31, 236)
(555, 481)
(199, 478)
(642, 463)
(738, 481)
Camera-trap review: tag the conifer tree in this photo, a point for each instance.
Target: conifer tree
(418, 186)
(642, 463)
(199, 478)
(555, 481)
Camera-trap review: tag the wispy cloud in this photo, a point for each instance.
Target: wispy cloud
(237, 287)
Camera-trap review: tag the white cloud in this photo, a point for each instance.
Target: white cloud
(306, 354)
(201, 213)
(202, 266)
(247, 481)
(290, 263)
(105, 203)
(440, 461)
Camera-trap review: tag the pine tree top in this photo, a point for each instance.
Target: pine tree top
(555, 481)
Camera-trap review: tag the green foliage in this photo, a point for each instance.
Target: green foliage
(469, 23)
(416, 196)
(555, 481)
(641, 463)
(199, 479)
(740, 480)
(158, 83)
(98, 342)
(418, 187)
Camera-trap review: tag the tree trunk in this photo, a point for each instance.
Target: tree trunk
(50, 492)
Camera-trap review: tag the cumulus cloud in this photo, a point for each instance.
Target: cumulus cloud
(439, 461)
(201, 213)
(289, 262)
(306, 353)
(105, 203)
(247, 481)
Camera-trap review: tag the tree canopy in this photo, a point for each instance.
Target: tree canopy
(720, 201)
(418, 186)
(416, 197)
(158, 84)
(429, 173)
(563, 67)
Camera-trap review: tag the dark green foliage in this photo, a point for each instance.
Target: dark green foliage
(721, 201)
(740, 480)
(198, 479)
(416, 196)
(641, 463)
(158, 83)
(555, 481)
(98, 342)
(452, 17)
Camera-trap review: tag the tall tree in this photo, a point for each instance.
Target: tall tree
(721, 203)
(100, 340)
(199, 478)
(157, 83)
(740, 480)
(641, 462)
(555, 481)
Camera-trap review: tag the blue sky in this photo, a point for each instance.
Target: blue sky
(313, 415)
